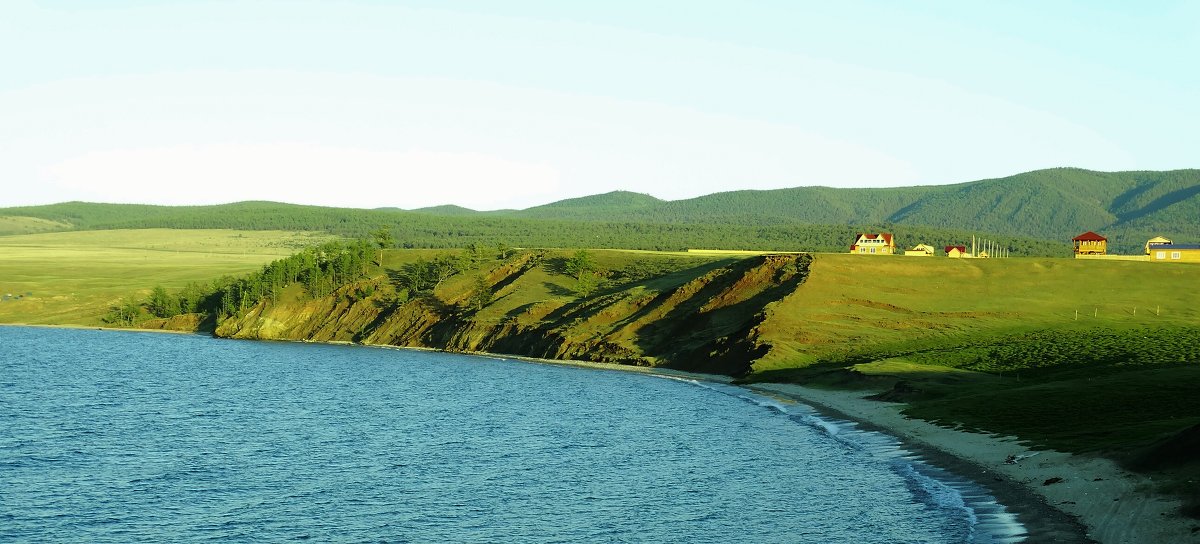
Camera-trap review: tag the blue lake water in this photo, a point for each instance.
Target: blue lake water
(119, 437)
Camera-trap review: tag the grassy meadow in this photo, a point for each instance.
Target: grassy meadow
(854, 303)
(28, 225)
(74, 277)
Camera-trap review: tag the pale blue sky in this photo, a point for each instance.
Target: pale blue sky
(493, 104)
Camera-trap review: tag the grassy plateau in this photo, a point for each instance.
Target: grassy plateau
(74, 277)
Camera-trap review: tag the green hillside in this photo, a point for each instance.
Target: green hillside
(428, 230)
(1035, 213)
(621, 204)
(447, 209)
(1055, 204)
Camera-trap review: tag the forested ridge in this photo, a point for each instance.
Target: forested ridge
(1054, 204)
(413, 229)
(1034, 213)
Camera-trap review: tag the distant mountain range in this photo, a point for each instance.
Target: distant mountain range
(1054, 204)
(1051, 205)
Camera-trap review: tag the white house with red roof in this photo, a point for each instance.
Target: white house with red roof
(874, 244)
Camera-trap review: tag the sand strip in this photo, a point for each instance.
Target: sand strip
(1114, 506)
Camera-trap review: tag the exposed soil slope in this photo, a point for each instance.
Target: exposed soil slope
(703, 317)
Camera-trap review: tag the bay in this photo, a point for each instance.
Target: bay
(126, 437)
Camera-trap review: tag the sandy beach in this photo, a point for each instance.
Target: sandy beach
(1113, 505)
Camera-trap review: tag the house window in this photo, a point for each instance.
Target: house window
(1160, 255)
(1175, 255)
(873, 251)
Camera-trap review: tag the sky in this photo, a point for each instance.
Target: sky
(513, 104)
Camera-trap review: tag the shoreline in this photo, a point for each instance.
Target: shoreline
(99, 328)
(1041, 521)
(1097, 501)
(1109, 504)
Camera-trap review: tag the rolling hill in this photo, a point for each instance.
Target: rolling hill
(1034, 213)
(1055, 204)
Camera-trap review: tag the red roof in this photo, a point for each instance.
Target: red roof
(1089, 236)
(961, 249)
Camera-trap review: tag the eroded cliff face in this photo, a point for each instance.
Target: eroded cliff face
(702, 318)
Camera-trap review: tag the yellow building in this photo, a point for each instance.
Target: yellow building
(1175, 253)
(1090, 243)
(873, 244)
(958, 252)
(920, 250)
(1155, 240)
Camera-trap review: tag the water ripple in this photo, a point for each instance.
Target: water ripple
(121, 437)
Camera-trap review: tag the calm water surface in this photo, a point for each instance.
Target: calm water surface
(120, 437)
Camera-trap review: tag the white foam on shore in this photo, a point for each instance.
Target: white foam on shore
(987, 521)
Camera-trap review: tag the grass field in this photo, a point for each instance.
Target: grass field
(851, 302)
(73, 277)
(28, 225)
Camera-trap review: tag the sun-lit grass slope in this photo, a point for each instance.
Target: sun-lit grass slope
(852, 302)
(15, 224)
(74, 277)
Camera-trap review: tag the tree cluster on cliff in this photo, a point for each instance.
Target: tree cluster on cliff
(318, 270)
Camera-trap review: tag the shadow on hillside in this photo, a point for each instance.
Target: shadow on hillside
(720, 339)
(398, 279)
(609, 293)
(1159, 203)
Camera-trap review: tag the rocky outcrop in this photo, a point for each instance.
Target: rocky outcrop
(705, 318)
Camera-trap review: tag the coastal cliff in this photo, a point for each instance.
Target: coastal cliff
(699, 314)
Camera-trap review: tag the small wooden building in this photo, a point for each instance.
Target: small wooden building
(919, 250)
(1090, 243)
(957, 252)
(1175, 253)
(873, 244)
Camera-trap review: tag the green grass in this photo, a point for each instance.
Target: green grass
(28, 225)
(854, 304)
(1110, 413)
(75, 276)
(547, 285)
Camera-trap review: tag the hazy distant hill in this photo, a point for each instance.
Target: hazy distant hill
(1051, 205)
(615, 205)
(447, 209)
(1054, 204)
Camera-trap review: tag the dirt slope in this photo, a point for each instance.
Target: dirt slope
(702, 317)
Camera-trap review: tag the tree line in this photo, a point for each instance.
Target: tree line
(318, 270)
(426, 230)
